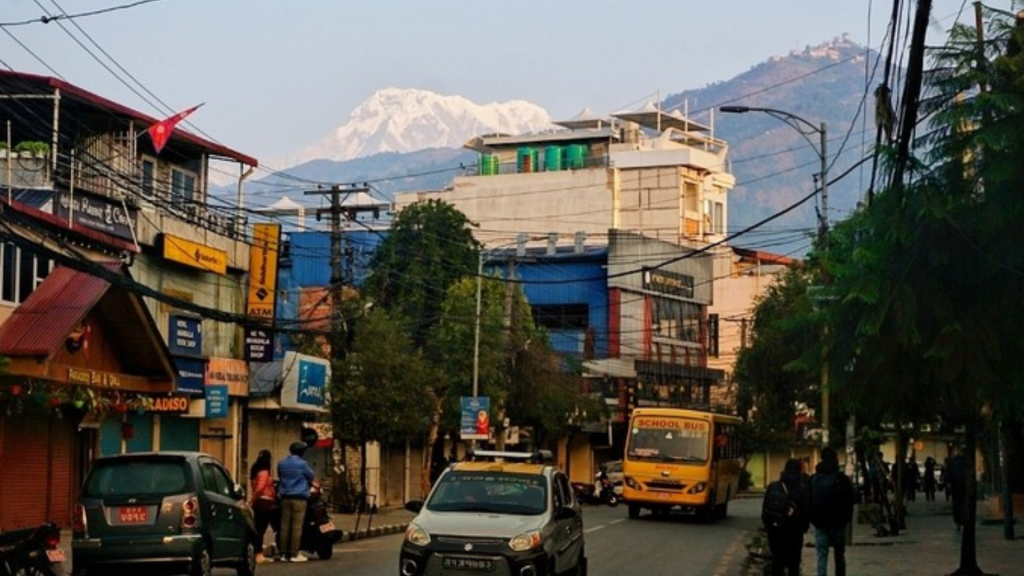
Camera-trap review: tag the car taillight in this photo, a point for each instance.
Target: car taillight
(190, 513)
(53, 538)
(78, 522)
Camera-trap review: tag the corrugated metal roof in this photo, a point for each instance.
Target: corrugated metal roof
(26, 83)
(41, 324)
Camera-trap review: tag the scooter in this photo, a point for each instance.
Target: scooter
(600, 492)
(32, 551)
(319, 534)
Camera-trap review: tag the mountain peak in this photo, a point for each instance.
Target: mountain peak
(408, 119)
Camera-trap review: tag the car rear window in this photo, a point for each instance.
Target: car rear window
(497, 492)
(137, 477)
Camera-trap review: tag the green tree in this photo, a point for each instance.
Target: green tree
(428, 248)
(386, 383)
(930, 285)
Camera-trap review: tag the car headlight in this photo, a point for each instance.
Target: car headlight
(524, 542)
(416, 535)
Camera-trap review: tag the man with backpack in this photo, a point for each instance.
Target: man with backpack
(831, 510)
(784, 514)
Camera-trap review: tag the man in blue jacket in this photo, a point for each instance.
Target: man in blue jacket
(295, 476)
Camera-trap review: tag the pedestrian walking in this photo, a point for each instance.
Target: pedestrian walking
(911, 479)
(784, 513)
(928, 482)
(295, 476)
(265, 508)
(831, 511)
(956, 475)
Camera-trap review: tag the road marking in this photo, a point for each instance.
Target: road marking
(595, 528)
(617, 521)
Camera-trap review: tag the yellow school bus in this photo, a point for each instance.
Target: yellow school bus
(681, 459)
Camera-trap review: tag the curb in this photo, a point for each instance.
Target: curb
(383, 530)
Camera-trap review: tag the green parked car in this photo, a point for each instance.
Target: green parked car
(162, 511)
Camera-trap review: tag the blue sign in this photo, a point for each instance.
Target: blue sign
(217, 401)
(476, 421)
(312, 381)
(191, 376)
(185, 335)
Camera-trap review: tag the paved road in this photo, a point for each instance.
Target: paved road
(677, 545)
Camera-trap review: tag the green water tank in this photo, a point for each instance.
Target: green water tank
(553, 158)
(576, 156)
(526, 159)
(488, 164)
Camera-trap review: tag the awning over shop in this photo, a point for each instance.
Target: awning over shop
(79, 329)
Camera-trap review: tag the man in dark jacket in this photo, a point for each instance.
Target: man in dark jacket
(786, 526)
(831, 510)
(295, 477)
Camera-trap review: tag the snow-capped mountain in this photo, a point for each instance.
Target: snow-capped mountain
(407, 120)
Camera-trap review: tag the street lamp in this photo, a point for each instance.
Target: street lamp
(806, 128)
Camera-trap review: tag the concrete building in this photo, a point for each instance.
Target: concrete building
(122, 291)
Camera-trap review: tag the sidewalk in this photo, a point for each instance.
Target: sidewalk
(930, 546)
(384, 521)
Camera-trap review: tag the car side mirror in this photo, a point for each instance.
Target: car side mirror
(239, 492)
(414, 506)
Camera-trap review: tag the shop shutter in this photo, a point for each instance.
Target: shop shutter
(36, 486)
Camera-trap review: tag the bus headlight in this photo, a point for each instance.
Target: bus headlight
(631, 483)
(524, 542)
(416, 535)
(697, 488)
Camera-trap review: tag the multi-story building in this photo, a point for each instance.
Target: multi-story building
(651, 188)
(121, 294)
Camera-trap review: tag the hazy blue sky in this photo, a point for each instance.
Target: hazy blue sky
(279, 75)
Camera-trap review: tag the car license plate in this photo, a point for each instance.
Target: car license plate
(56, 555)
(133, 515)
(328, 527)
(456, 563)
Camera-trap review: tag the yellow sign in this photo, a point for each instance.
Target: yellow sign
(266, 239)
(195, 255)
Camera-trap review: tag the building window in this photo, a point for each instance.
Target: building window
(561, 316)
(183, 186)
(714, 217)
(713, 349)
(677, 320)
(148, 176)
(22, 272)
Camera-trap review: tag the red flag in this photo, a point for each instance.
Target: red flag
(161, 131)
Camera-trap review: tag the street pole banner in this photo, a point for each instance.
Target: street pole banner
(475, 421)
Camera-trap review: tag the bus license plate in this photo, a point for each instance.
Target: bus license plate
(467, 563)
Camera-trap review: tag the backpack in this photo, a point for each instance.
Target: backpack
(778, 508)
(828, 500)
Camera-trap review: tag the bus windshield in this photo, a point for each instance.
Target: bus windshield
(668, 439)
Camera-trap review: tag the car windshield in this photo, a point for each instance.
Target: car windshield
(494, 492)
(137, 477)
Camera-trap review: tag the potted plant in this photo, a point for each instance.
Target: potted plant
(33, 148)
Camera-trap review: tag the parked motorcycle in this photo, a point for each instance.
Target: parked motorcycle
(602, 491)
(32, 551)
(319, 534)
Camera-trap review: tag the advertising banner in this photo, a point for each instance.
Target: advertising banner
(476, 420)
(304, 382)
(266, 239)
(185, 335)
(217, 401)
(191, 376)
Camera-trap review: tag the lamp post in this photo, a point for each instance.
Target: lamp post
(806, 128)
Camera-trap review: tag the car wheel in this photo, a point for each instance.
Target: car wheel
(325, 551)
(202, 565)
(247, 567)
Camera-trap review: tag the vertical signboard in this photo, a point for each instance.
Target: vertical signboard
(266, 240)
(475, 421)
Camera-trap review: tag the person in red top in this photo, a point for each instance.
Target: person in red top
(263, 499)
